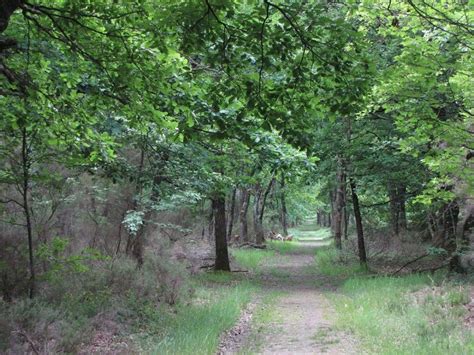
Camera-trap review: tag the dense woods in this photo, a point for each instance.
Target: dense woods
(142, 140)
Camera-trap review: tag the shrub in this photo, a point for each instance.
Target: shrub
(77, 289)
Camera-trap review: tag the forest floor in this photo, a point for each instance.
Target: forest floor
(313, 300)
(297, 318)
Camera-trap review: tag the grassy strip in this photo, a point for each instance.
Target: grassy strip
(251, 258)
(199, 325)
(282, 247)
(262, 316)
(414, 314)
(407, 315)
(309, 234)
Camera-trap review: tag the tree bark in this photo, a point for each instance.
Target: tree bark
(359, 227)
(401, 191)
(284, 213)
(398, 219)
(220, 234)
(338, 208)
(346, 221)
(448, 220)
(26, 165)
(332, 195)
(231, 214)
(136, 243)
(464, 229)
(7, 8)
(257, 226)
(244, 207)
(394, 209)
(260, 202)
(318, 219)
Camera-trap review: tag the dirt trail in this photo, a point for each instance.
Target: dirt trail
(302, 317)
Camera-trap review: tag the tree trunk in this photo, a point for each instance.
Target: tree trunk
(136, 243)
(220, 231)
(398, 220)
(244, 207)
(138, 246)
(346, 221)
(394, 209)
(338, 208)
(332, 195)
(260, 201)
(7, 7)
(26, 165)
(449, 216)
(464, 229)
(257, 226)
(401, 207)
(319, 221)
(358, 219)
(284, 213)
(231, 214)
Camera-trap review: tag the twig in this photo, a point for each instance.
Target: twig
(432, 269)
(409, 263)
(28, 339)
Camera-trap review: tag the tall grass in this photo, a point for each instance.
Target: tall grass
(197, 327)
(331, 262)
(406, 315)
(414, 314)
(251, 258)
(282, 247)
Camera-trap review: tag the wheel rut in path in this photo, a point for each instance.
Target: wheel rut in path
(302, 317)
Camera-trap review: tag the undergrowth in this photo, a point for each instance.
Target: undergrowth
(198, 324)
(147, 314)
(282, 247)
(74, 303)
(412, 314)
(332, 262)
(251, 258)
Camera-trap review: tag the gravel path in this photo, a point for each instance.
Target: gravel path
(303, 319)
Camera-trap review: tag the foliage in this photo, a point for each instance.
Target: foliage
(59, 264)
(118, 115)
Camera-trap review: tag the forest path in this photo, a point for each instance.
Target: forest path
(301, 319)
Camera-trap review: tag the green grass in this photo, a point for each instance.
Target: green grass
(219, 277)
(263, 315)
(305, 233)
(251, 258)
(196, 326)
(331, 262)
(282, 247)
(414, 314)
(407, 315)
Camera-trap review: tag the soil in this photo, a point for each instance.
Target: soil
(302, 317)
